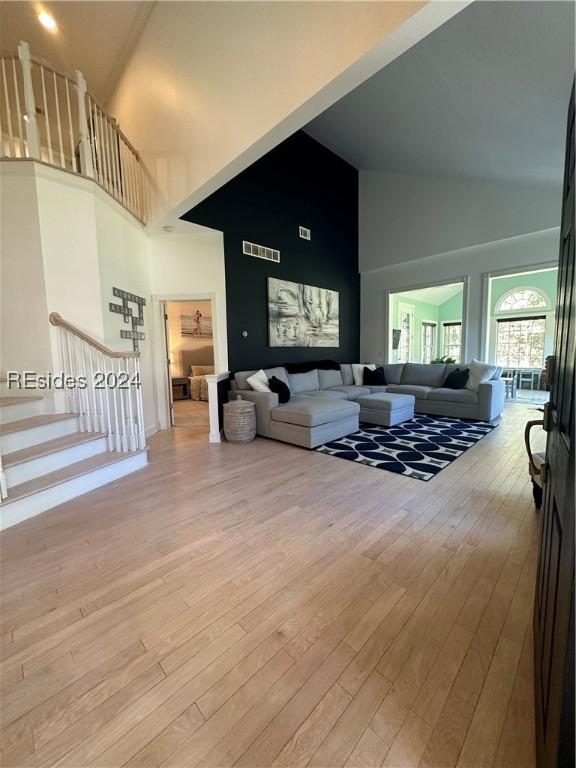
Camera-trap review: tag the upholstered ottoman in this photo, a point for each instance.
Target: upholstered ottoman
(386, 409)
(311, 421)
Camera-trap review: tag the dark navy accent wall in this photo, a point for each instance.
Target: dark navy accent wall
(300, 182)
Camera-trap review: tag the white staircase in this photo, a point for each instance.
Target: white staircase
(47, 460)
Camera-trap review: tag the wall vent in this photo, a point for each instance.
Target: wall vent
(304, 233)
(260, 252)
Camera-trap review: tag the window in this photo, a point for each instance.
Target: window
(452, 340)
(428, 341)
(525, 298)
(521, 329)
(406, 318)
(520, 342)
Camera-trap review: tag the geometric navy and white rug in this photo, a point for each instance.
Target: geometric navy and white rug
(419, 448)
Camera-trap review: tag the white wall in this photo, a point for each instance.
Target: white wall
(416, 231)
(410, 217)
(24, 332)
(68, 225)
(208, 80)
(66, 244)
(192, 265)
(534, 249)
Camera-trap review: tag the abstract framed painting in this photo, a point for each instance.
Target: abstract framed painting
(302, 315)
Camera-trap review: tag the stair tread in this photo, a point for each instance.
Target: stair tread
(34, 421)
(49, 446)
(14, 400)
(68, 473)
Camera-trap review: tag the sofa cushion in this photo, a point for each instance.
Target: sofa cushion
(333, 393)
(241, 379)
(453, 395)
(303, 382)
(376, 389)
(423, 374)
(420, 392)
(393, 373)
(329, 378)
(480, 373)
(351, 392)
(347, 374)
(497, 373)
(386, 402)
(313, 411)
(279, 372)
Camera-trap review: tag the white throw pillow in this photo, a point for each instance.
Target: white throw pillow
(258, 381)
(479, 373)
(358, 372)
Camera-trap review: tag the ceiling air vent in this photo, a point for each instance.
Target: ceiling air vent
(304, 233)
(260, 252)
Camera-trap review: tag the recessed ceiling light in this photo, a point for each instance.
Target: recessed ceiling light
(46, 20)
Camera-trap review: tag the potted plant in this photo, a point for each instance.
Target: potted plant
(444, 360)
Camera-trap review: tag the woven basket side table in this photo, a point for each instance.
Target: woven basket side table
(239, 421)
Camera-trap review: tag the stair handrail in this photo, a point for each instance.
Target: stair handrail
(51, 116)
(57, 319)
(103, 387)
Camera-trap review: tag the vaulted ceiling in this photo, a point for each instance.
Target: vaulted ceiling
(95, 37)
(483, 96)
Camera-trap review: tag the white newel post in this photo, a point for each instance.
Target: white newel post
(86, 165)
(29, 101)
(215, 427)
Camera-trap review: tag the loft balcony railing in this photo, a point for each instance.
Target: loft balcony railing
(48, 116)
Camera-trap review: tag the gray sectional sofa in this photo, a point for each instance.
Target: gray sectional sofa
(322, 405)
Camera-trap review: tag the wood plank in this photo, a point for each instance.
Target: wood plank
(299, 750)
(340, 742)
(292, 609)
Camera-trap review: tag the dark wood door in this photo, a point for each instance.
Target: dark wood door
(554, 600)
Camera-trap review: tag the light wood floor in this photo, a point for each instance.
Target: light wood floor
(265, 605)
(192, 413)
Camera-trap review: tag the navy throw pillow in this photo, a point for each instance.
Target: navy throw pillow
(457, 379)
(375, 378)
(280, 388)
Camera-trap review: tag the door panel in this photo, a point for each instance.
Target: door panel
(554, 599)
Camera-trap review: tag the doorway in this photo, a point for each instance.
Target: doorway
(426, 324)
(522, 310)
(190, 357)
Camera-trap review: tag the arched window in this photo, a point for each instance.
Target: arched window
(522, 298)
(520, 337)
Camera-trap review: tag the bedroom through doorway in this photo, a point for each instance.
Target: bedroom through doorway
(190, 357)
